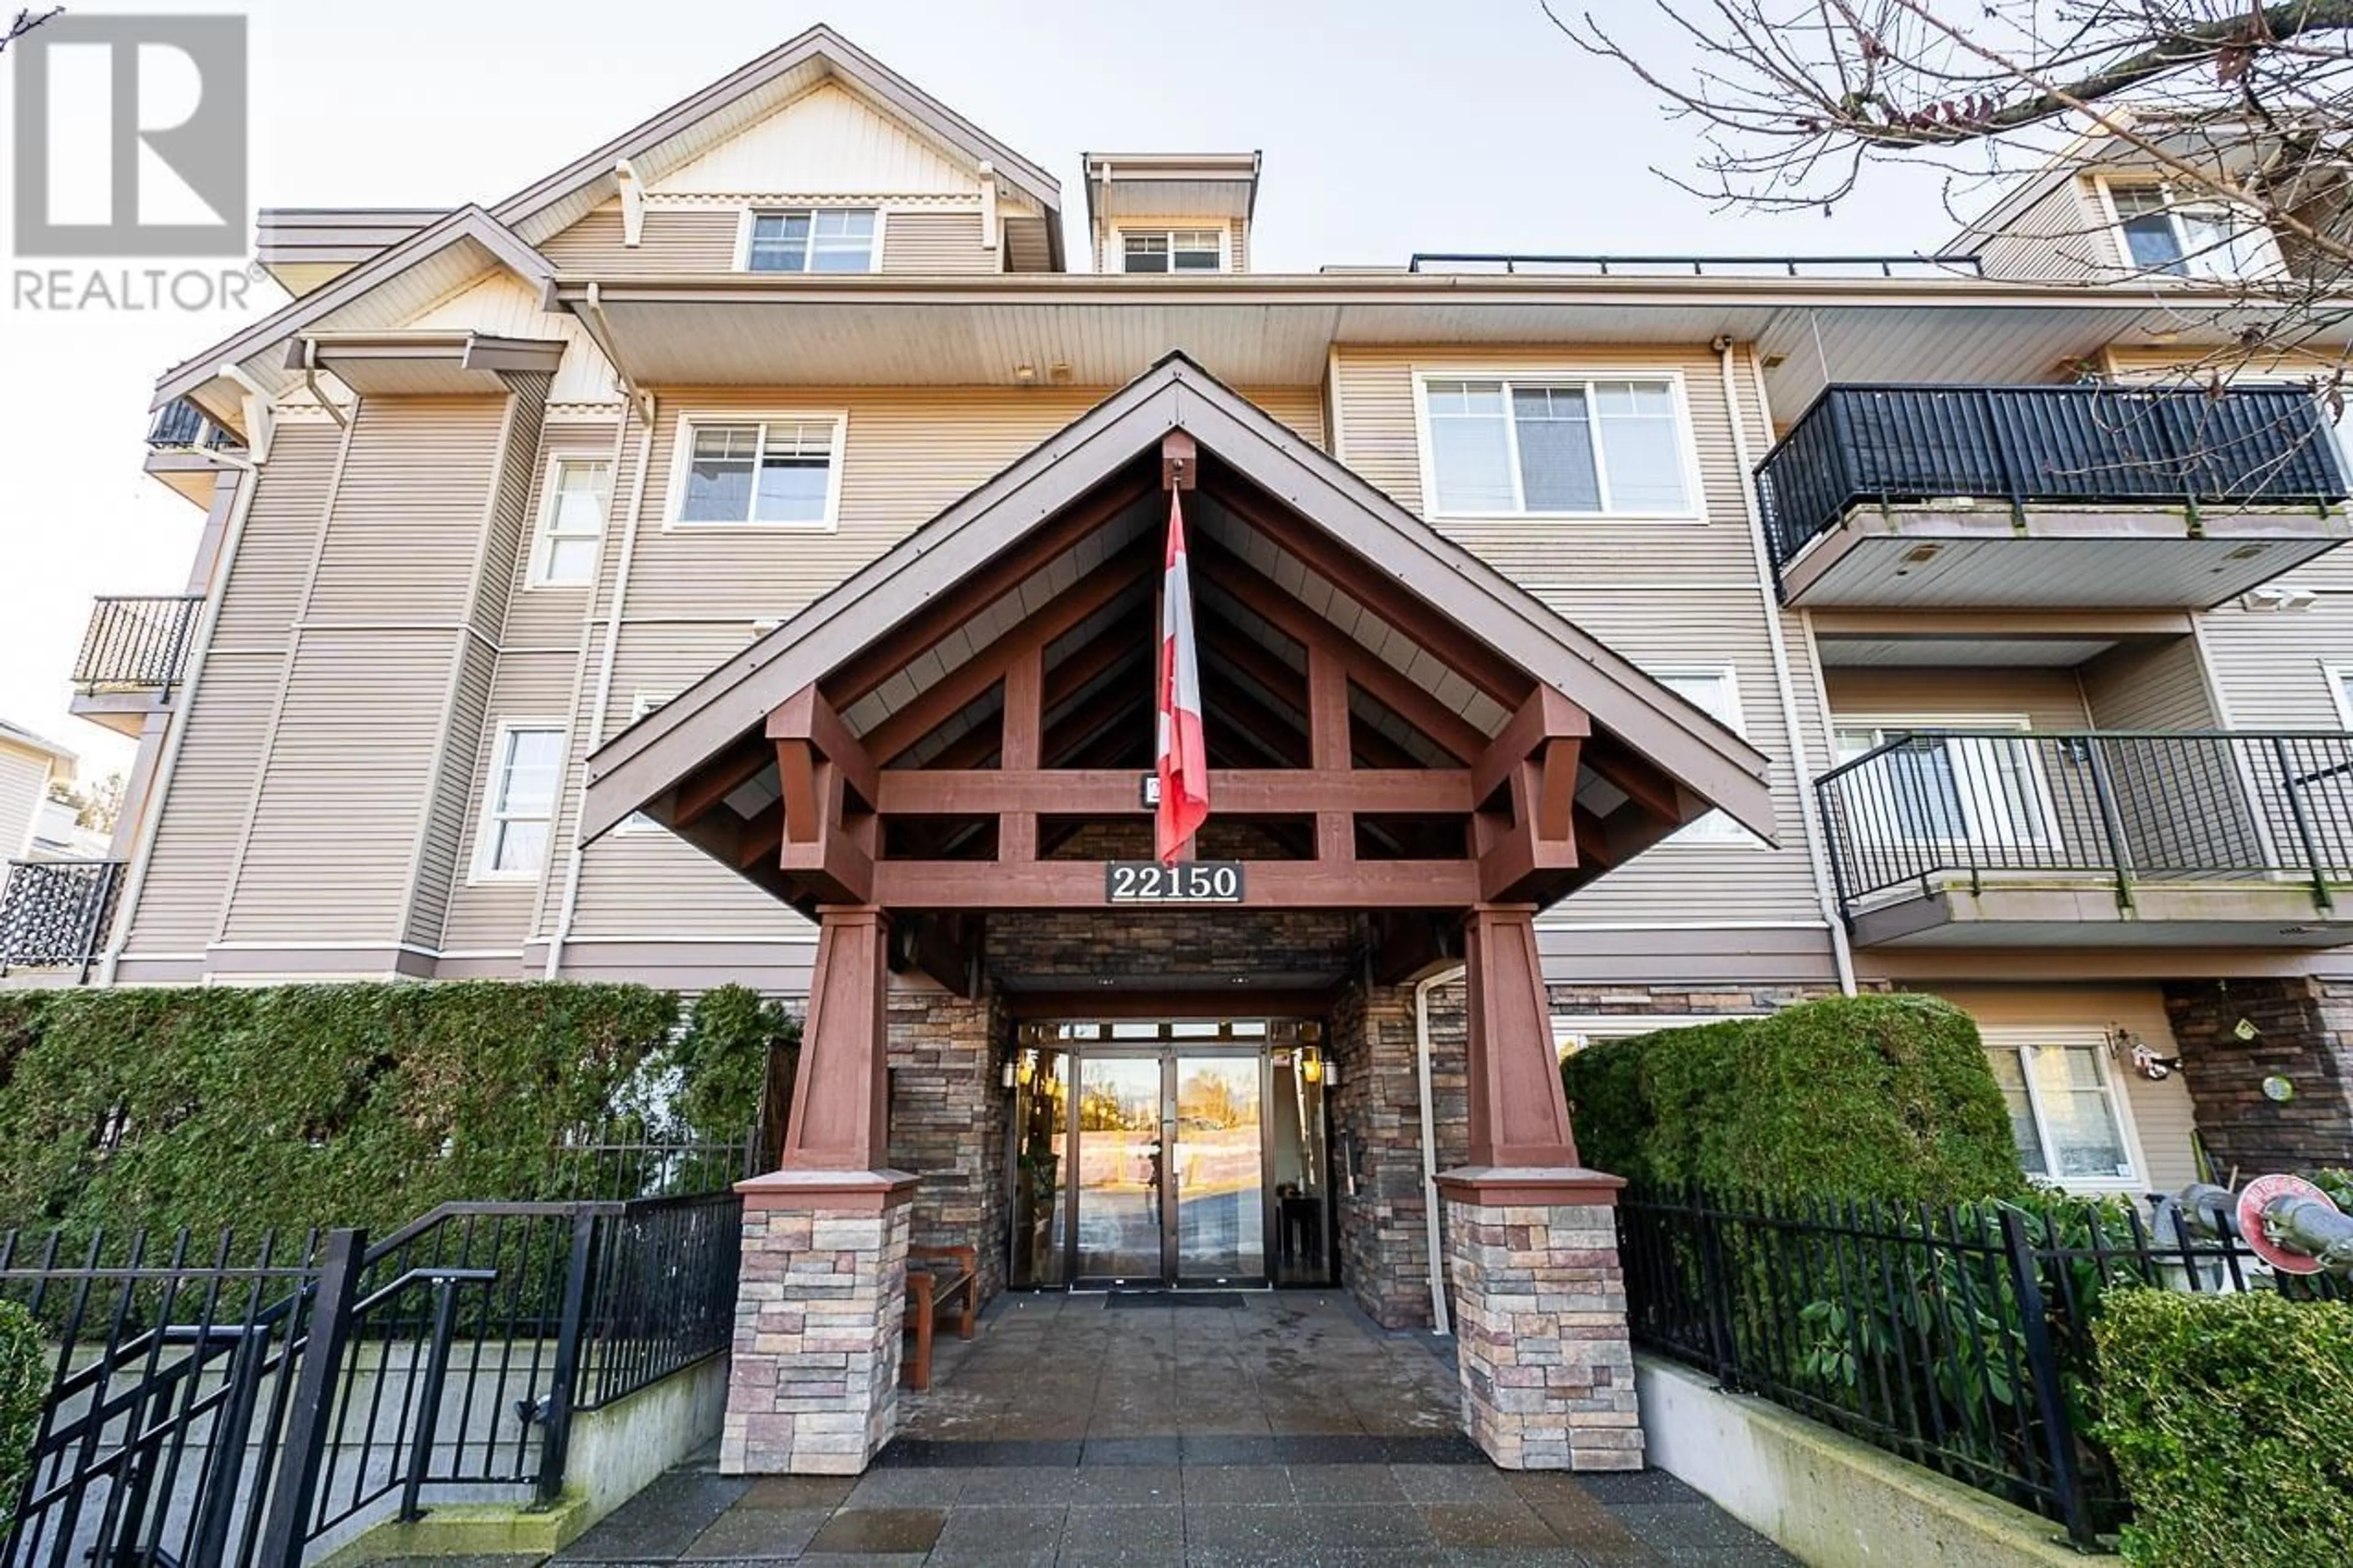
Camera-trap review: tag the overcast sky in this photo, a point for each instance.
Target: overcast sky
(1387, 127)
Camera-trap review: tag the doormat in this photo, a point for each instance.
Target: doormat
(1124, 1299)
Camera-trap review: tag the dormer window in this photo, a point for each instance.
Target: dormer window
(2173, 234)
(816, 239)
(1172, 251)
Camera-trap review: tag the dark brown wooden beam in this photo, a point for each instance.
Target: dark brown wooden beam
(1121, 644)
(805, 715)
(967, 682)
(1240, 1002)
(1117, 703)
(1180, 461)
(1516, 853)
(1458, 646)
(1634, 776)
(919, 633)
(1271, 885)
(1230, 709)
(1546, 715)
(1386, 685)
(708, 786)
(1255, 792)
(1222, 643)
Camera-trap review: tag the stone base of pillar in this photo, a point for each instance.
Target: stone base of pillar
(820, 1305)
(1540, 1318)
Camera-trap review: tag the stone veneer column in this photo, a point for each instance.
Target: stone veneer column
(821, 1308)
(1546, 1370)
(822, 1295)
(2302, 1032)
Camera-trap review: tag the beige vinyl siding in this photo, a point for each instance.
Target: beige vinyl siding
(2271, 667)
(496, 562)
(2046, 698)
(698, 238)
(916, 239)
(352, 778)
(907, 454)
(498, 915)
(1678, 597)
(204, 813)
(2063, 237)
(550, 617)
(829, 140)
(2162, 1117)
(24, 785)
(2150, 686)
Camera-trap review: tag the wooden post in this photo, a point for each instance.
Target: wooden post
(1519, 1114)
(840, 1092)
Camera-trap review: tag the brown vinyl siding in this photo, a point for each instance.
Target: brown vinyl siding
(1676, 596)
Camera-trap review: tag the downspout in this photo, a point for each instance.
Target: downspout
(1784, 683)
(573, 858)
(1438, 1322)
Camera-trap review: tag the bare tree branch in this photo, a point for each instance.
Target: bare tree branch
(24, 23)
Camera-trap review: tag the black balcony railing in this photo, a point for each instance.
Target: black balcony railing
(180, 425)
(2122, 808)
(137, 644)
(53, 914)
(2066, 444)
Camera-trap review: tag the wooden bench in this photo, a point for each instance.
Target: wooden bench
(952, 1271)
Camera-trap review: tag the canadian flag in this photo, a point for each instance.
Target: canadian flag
(1183, 761)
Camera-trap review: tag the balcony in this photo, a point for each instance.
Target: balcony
(134, 656)
(185, 449)
(2012, 838)
(55, 914)
(2024, 498)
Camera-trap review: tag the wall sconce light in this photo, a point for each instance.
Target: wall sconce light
(1311, 1065)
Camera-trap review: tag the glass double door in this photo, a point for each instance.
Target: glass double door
(1169, 1154)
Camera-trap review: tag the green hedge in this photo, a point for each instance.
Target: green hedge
(23, 1386)
(305, 1105)
(1861, 1096)
(2231, 1418)
(723, 1061)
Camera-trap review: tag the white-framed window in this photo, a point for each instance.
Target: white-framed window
(1937, 788)
(777, 471)
(2340, 689)
(1556, 446)
(2067, 1108)
(641, 704)
(571, 523)
(813, 239)
(519, 805)
(1172, 251)
(1716, 693)
(2182, 234)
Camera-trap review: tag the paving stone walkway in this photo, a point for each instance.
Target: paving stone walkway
(1277, 1429)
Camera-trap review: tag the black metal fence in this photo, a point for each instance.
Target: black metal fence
(2125, 806)
(137, 644)
(1957, 1336)
(237, 1401)
(2152, 446)
(55, 914)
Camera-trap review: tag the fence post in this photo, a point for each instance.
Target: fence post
(2042, 1363)
(553, 1446)
(336, 1294)
(2302, 823)
(428, 1410)
(1715, 1287)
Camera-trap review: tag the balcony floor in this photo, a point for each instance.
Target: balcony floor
(1984, 557)
(2063, 913)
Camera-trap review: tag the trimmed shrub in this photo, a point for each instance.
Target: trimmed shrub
(723, 1061)
(24, 1386)
(1887, 1097)
(2231, 1418)
(305, 1105)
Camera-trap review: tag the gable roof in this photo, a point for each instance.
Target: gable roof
(654, 754)
(468, 225)
(17, 735)
(561, 199)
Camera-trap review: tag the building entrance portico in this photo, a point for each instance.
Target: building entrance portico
(941, 764)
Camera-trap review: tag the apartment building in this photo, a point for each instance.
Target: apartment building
(736, 558)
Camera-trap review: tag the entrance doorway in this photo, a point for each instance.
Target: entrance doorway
(1170, 1153)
